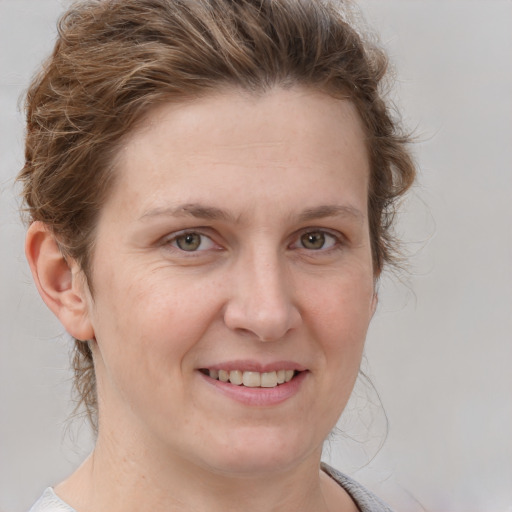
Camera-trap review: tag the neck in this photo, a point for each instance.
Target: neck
(118, 480)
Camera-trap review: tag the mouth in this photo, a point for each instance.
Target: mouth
(252, 379)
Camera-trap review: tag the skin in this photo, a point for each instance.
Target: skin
(250, 176)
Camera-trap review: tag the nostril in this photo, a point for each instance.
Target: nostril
(260, 306)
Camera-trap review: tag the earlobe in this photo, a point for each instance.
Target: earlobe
(58, 281)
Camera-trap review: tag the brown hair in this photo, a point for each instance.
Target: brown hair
(116, 59)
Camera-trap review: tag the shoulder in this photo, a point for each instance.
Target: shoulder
(365, 500)
(50, 502)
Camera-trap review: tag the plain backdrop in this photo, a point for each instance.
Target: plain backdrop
(439, 351)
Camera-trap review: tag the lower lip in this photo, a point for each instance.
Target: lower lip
(258, 396)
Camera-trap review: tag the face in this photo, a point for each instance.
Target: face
(233, 254)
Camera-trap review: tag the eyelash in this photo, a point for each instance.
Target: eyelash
(173, 241)
(334, 240)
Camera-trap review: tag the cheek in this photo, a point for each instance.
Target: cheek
(342, 308)
(340, 315)
(145, 336)
(151, 320)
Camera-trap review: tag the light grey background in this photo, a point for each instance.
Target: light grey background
(439, 350)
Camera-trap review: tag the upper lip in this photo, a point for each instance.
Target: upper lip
(256, 366)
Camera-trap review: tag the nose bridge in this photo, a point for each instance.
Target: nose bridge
(261, 301)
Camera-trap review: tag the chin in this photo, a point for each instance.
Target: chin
(254, 451)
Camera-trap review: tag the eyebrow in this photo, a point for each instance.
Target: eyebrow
(189, 210)
(200, 211)
(331, 210)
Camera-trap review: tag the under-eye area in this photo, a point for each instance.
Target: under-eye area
(252, 379)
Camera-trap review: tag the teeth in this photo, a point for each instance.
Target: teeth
(253, 379)
(236, 377)
(269, 380)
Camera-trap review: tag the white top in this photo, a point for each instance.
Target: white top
(50, 502)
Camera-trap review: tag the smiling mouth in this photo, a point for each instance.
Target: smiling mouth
(252, 379)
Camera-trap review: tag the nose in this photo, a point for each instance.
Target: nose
(260, 303)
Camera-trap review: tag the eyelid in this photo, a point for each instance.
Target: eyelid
(339, 238)
(169, 240)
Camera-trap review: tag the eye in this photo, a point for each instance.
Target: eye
(192, 241)
(317, 240)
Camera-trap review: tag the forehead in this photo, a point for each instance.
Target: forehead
(273, 141)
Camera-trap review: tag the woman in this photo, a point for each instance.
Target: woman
(210, 187)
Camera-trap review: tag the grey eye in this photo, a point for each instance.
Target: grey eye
(314, 240)
(189, 242)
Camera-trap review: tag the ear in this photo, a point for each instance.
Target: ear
(59, 281)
